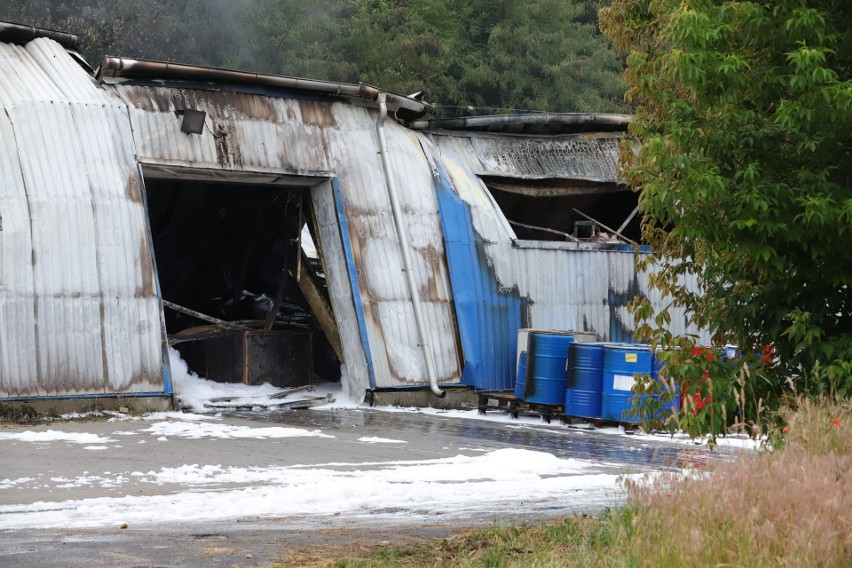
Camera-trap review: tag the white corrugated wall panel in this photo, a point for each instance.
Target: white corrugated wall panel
(31, 81)
(67, 76)
(131, 322)
(86, 313)
(18, 373)
(65, 262)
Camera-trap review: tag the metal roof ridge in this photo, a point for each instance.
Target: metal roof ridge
(122, 67)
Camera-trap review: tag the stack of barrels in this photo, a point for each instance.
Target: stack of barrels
(592, 380)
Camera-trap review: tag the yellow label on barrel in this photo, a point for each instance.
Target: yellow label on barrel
(631, 357)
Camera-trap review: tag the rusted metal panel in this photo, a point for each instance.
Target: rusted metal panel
(85, 312)
(281, 358)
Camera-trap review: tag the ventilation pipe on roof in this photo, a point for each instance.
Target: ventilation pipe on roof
(403, 244)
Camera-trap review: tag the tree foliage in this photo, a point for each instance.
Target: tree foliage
(744, 113)
(469, 56)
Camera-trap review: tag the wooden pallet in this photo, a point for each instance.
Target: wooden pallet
(508, 402)
(629, 427)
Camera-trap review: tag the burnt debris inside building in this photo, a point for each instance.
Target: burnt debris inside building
(229, 259)
(558, 210)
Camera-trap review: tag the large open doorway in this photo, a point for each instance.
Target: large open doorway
(242, 283)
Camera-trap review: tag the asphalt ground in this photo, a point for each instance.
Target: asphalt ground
(253, 541)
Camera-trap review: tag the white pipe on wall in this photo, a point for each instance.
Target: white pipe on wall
(403, 244)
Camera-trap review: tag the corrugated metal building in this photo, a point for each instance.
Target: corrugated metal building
(426, 280)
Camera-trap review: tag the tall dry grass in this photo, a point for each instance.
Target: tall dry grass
(788, 507)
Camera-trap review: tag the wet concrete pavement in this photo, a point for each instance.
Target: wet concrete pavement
(253, 541)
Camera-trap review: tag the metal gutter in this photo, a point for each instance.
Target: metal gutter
(120, 67)
(21, 35)
(403, 244)
(552, 121)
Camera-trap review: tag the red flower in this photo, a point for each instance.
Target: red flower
(836, 422)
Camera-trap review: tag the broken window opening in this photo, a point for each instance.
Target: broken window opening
(229, 255)
(567, 210)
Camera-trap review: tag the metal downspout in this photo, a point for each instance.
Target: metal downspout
(403, 244)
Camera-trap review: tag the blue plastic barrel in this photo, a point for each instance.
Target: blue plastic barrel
(522, 370)
(547, 358)
(621, 364)
(583, 394)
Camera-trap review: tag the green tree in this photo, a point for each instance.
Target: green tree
(496, 55)
(305, 39)
(744, 114)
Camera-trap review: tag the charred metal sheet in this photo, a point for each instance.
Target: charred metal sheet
(393, 338)
(244, 132)
(591, 157)
(280, 358)
(80, 312)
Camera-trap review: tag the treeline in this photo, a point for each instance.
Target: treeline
(468, 56)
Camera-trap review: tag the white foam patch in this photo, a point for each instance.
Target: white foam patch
(503, 480)
(197, 430)
(9, 483)
(376, 440)
(55, 436)
(199, 394)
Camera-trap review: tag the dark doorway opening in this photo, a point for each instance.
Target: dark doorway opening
(229, 260)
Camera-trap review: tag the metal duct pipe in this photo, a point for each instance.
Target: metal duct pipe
(403, 244)
(146, 69)
(21, 35)
(567, 120)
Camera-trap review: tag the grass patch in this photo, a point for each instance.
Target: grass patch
(578, 541)
(786, 507)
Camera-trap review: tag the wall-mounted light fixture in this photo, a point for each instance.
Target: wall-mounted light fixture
(193, 121)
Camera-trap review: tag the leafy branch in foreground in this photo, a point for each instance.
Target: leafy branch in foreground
(744, 114)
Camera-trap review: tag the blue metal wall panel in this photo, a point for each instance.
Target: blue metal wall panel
(353, 277)
(488, 319)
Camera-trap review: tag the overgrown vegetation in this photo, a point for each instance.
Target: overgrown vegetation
(785, 507)
(744, 114)
(16, 413)
(468, 56)
(19, 414)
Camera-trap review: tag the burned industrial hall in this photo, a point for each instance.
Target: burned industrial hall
(284, 230)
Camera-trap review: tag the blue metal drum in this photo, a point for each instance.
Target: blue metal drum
(621, 363)
(547, 358)
(583, 395)
(522, 370)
